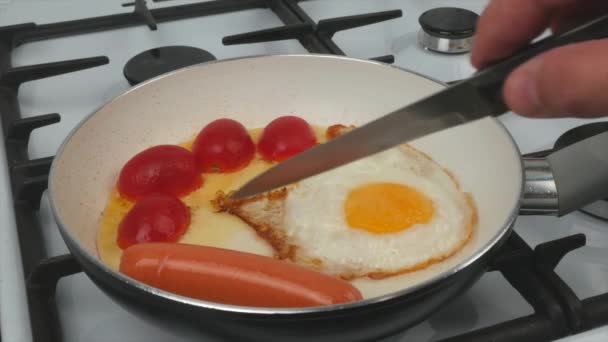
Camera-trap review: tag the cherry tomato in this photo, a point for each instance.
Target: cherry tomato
(285, 137)
(224, 145)
(166, 169)
(155, 218)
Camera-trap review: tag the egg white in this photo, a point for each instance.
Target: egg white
(314, 218)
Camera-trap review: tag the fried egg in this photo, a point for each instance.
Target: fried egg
(387, 214)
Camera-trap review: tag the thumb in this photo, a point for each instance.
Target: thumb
(567, 81)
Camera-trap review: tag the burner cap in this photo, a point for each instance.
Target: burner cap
(154, 62)
(598, 209)
(448, 29)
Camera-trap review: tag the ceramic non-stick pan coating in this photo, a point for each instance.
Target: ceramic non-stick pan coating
(324, 90)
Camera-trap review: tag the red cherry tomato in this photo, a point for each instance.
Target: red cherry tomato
(156, 218)
(166, 169)
(224, 145)
(285, 137)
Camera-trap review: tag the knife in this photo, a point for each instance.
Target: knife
(466, 101)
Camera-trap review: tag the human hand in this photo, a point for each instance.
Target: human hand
(566, 81)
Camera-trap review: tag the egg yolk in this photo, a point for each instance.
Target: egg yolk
(382, 208)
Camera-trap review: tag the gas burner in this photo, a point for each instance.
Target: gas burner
(598, 209)
(154, 62)
(447, 30)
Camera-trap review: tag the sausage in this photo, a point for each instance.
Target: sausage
(232, 277)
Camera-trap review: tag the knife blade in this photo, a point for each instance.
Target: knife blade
(453, 106)
(466, 101)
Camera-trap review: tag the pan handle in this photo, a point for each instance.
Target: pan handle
(567, 179)
(540, 191)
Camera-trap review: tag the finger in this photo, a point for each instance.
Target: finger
(507, 25)
(567, 81)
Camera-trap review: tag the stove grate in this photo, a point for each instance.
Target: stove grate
(557, 310)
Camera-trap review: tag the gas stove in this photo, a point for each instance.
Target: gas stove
(69, 57)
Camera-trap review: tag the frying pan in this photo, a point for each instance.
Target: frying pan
(325, 90)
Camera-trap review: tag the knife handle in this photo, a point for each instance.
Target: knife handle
(490, 79)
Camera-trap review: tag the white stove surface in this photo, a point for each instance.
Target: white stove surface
(88, 315)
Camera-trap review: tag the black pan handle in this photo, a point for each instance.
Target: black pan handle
(581, 173)
(567, 179)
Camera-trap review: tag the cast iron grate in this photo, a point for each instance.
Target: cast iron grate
(557, 310)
